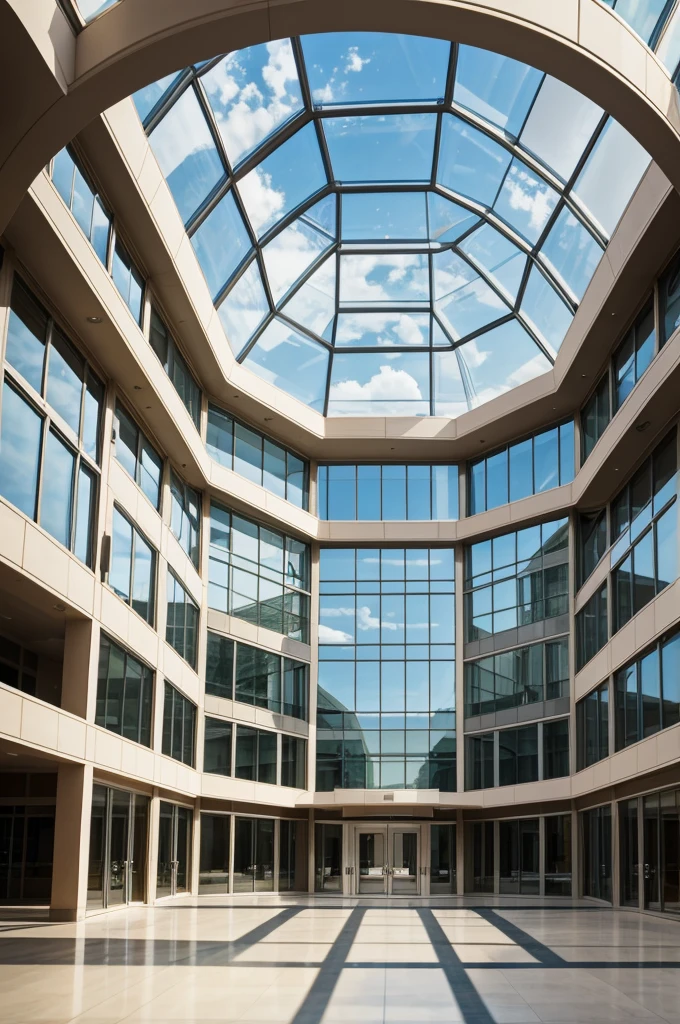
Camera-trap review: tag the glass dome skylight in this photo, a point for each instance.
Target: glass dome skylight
(388, 224)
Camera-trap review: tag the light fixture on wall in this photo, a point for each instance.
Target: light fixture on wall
(93, 319)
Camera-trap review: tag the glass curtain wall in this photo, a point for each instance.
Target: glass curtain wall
(118, 847)
(251, 675)
(480, 857)
(213, 876)
(661, 831)
(390, 492)
(386, 691)
(519, 860)
(26, 852)
(293, 856)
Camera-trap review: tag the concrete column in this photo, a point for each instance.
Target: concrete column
(195, 848)
(71, 842)
(152, 850)
(81, 654)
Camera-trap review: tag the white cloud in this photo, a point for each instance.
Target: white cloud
(325, 94)
(289, 254)
(395, 390)
(365, 278)
(354, 62)
(263, 203)
(327, 635)
(244, 114)
(525, 194)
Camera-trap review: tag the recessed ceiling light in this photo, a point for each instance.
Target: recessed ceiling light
(584, 374)
(268, 419)
(60, 607)
(641, 427)
(10, 753)
(138, 387)
(93, 319)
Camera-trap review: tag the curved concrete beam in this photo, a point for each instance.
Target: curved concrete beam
(580, 41)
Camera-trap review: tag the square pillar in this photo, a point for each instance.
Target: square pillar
(71, 842)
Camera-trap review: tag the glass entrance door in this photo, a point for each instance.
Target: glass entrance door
(388, 860)
(118, 845)
(174, 850)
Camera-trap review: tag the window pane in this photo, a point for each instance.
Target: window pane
(65, 381)
(151, 468)
(248, 453)
(144, 573)
(121, 555)
(219, 439)
(221, 243)
(26, 334)
(20, 433)
(87, 494)
(499, 89)
(56, 497)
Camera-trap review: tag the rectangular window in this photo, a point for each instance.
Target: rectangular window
(132, 572)
(181, 628)
(592, 543)
(258, 574)
(185, 516)
(647, 693)
(644, 532)
(528, 467)
(592, 727)
(591, 628)
(81, 197)
(479, 761)
(124, 693)
(179, 726)
(293, 761)
(516, 579)
(257, 458)
(174, 364)
(518, 755)
(19, 668)
(525, 675)
(137, 456)
(262, 678)
(255, 755)
(669, 294)
(219, 668)
(556, 748)
(386, 684)
(128, 280)
(217, 746)
(595, 417)
(634, 355)
(48, 460)
(375, 492)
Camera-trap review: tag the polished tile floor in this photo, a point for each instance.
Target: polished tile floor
(316, 961)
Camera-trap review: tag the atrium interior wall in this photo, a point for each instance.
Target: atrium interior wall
(250, 643)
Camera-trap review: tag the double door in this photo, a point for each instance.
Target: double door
(118, 844)
(174, 849)
(387, 860)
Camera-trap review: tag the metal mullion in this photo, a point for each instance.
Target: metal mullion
(530, 109)
(384, 186)
(247, 349)
(209, 115)
(158, 112)
(661, 24)
(431, 315)
(571, 181)
(451, 74)
(528, 267)
(435, 149)
(384, 307)
(309, 272)
(375, 109)
(41, 466)
(304, 330)
(278, 137)
(299, 211)
(235, 277)
(372, 247)
(482, 274)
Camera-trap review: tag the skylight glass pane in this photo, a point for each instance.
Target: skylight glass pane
(221, 243)
(290, 253)
(465, 303)
(290, 361)
(382, 330)
(389, 147)
(560, 126)
(499, 89)
(146, 99)
(313, 304)
(501, 359)
(449, 393)
(387, 278)
(544, 311)
(572, 253)
(380, 384)
(641, 15)
(668, 50)
(375, 67)
(470, 163)
(448, 220)
(497, 257)
(525, 201)
(91, 8)
(284, 179)
(439, 336)
(384, 216)
(244, 309)
(611, 174)
(252, 93)
(186, 154)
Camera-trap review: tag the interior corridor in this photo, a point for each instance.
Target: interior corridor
(307, 960)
